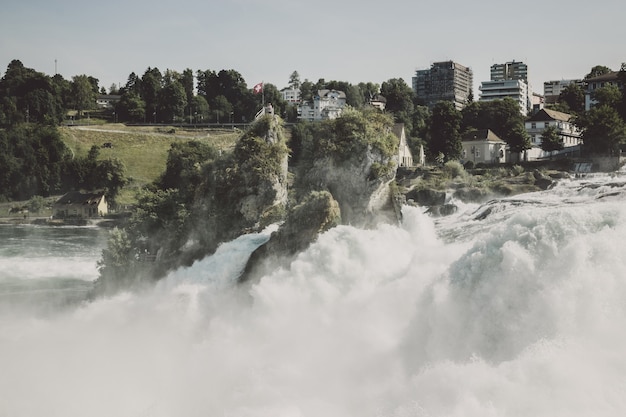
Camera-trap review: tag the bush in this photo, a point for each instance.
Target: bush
(453, 169)
(517, 169)
(36, 204)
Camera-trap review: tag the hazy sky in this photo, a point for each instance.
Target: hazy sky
(344, 40)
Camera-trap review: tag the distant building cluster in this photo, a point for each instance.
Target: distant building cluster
(453, 82)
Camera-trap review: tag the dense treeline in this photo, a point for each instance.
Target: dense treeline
(34, 161)
(207, 96)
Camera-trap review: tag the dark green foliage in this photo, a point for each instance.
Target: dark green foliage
(603, 130)
(348, 136)
(573, 96)
(89, 173)
(131, 108)
(29, 96)
(445, 136)
(503, 117)
(598, 70)
(183, 170)
(400, 99)
(550, 140)
(32, 161)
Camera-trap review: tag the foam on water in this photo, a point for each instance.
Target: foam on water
(523, 316)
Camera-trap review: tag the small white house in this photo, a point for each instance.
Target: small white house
(107, 101)
(483, 146)
(326, 104)
(76, 204)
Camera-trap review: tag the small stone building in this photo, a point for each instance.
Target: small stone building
(78, 204)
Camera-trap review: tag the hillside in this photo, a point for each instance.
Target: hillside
(142, 149)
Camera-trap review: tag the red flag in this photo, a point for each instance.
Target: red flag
(258, 88)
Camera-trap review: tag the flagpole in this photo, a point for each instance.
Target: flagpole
(263, 93)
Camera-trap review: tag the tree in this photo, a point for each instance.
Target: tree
(550, 139)
(30, 96)
(603, 130)
(399, 100)
(151, 84)
(222, 109)
(112, 177)
(503, 117)
(517, 139)
(200, 109)
(306, 90)
(183, 167)
(83, 94)
(598, 70)
(609, 95)
(131, 107)
(294, 80)
(172, 102)
(573, 96)
(445, 136)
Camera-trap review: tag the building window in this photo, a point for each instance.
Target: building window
(546, 124)
(533, 125)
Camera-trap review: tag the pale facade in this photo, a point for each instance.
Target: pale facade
(600, 81)
(483, 146)
(326, 105)
(516, 89)
(567, 131)
(291, 95)
(77, 204)
(553, 89)
(405, 157)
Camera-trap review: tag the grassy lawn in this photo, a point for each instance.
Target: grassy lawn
(143, 150)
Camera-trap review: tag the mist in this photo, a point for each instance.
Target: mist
(520, 314)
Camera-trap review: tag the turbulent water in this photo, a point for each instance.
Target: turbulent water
(513, 308)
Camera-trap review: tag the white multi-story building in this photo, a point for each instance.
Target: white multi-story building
(567, 131)
(611, 78)
(291, 95)
(516, 89)
(326, 104)
(552, 89)
(509, 80)
(513, 70)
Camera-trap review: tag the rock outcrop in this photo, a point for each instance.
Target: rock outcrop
(316, 214)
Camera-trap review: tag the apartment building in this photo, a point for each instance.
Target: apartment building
(552, 89)
(513, 70)
(444, 81)
(508, 80)
(592, 84)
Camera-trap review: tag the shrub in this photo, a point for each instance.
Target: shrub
(517, 169)
(453, 169)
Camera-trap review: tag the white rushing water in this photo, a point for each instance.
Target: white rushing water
(520, 313)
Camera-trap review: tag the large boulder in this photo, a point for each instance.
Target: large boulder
(316, 214)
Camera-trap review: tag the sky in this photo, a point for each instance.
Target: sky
(343, 40)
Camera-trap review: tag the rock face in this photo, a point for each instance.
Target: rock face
(360, 197)
(344, 179)
(316, 214)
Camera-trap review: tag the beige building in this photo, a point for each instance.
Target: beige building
(77, 204)
(483, 147)
(563, 122)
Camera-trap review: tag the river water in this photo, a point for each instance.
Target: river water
(513, 308)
